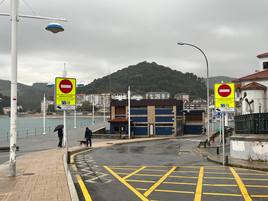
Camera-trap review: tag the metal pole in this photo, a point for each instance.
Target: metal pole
(93, 110)
(44, 115)
(13, 109)
(207, 82)
(75, 118)
(212, 126)
(226, 120)
(220, 138)
(223, 141)
(129, 112)
(64, 116)
(104, 105)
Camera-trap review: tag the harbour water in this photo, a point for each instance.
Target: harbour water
(27, 126)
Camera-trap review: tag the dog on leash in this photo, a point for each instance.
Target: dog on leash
(83, 143)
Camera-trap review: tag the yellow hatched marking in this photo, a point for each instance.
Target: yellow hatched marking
(227, 178)
(135, 172)
(179, 183)
(186, 171)
(83, 188)
(220, 185)
(241, 185)
(121, 168)
(139, 181)
(161, 180)
(173, 191)
(224, 173)
(198, 191)
(259, 196)
(126, 184)
(222, 194)
(256, 186)
(145, 175)
(255, 179)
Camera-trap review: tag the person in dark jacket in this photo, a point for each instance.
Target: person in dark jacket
(60, 135)
(88, 135)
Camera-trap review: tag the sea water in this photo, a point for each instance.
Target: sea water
(27, 126)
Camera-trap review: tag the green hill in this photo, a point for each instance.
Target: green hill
(28, 96)
(146, 77)
(219, 79)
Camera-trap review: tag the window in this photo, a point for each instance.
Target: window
(265, 65)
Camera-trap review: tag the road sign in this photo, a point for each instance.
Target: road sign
(65, 93)
(225, 96)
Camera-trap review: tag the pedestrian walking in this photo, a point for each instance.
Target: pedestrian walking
(88, 135)
(60, 135)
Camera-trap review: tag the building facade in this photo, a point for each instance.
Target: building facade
(148, 117)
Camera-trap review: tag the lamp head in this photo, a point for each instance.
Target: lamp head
(181, 43)
(54, 27)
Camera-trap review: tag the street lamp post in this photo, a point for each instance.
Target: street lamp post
(194, 46)
(14, 63)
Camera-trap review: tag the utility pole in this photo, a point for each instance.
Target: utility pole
(64, 116)
(44, 115)
(129, 127)
(93, 110)
(13, 108)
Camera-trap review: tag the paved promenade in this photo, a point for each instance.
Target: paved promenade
(41, 175)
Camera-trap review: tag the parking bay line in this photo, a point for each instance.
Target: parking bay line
(126, 184)
(241, 185)
(83, 188)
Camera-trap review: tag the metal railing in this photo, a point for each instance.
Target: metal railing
(256, 123)
(27, 132)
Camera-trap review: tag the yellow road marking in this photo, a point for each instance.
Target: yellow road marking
(218, 173)
(220, 185)
(255, 179)
(222, 194)
(159, 175)
(179, 183)
(126, 184)
(173, 191)
(135, 172)
(153, 187)
(139, 181)
(256, 186)
(227, 178)
(259, 196)
(83, 188)
(198, 191)
(241, 185)
(186, 171)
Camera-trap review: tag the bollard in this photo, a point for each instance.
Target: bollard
(218, 150)
(68, 157)
(226, 160)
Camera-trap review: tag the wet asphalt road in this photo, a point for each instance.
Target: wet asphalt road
(167, 170)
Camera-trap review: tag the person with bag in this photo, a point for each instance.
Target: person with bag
(88, 135)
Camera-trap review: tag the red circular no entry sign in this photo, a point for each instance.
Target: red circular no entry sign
(66, 86)
(224, 90)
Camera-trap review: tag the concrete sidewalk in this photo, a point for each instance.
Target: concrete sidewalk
(211, 154)
(41, 175)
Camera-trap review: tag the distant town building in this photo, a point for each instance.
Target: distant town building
(149, 117)
(182, 96)
(119, 96)
(157, 95)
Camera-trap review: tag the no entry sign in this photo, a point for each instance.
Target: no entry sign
(225, 96)
(224, 90)
(65, 93)
(66, 86)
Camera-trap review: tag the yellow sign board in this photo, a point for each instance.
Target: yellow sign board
(65, 93)
(224, 96)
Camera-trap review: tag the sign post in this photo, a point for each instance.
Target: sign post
(225, 102)
(65, 98)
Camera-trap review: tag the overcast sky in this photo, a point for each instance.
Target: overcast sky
(103, 36)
